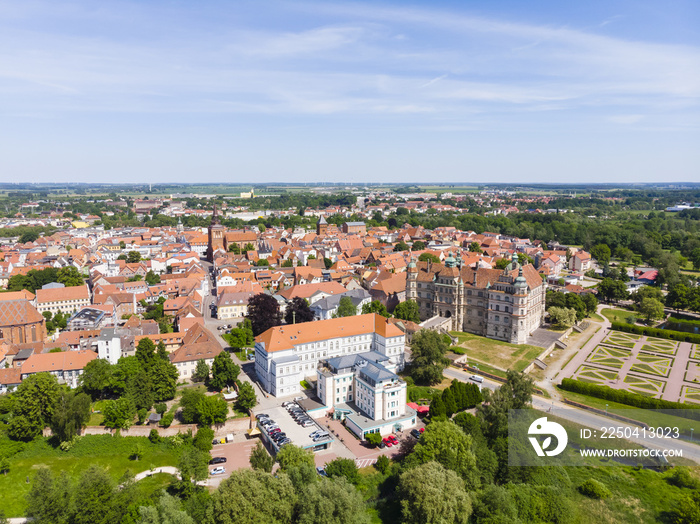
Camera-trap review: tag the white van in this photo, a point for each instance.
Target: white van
(477, 378)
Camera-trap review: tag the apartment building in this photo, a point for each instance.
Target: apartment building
(285, 355)
(64, 299)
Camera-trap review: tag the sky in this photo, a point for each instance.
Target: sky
(470, 91)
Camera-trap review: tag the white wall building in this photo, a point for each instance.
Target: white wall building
(285, 355)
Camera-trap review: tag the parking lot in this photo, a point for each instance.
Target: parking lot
(299, 435)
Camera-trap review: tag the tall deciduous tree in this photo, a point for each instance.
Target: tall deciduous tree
(375, 307)
(49, 498)
(164, 379)
(291, 456)
(263, 313)
(428, 357)
(33, 406)
(346, 308)
(96, 378)
(408, 310)
(260, 459)
(332, 502)
(71, 413)
(431, 494)
(246, 396)
(298, 312)
(201, 371)
(224, 371)
(94, 491)
(120, 413)
(211, 410)
(601, 253)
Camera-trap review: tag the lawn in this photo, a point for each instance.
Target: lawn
(496, 353)
(617, 315)
(111, 453)
(608, 356)
(655, 418)
(652, 364)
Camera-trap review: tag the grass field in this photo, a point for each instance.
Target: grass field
(111, 453)
(595, 375)
(499, 354)
(617, 315)
(652, 364)
(608, 356)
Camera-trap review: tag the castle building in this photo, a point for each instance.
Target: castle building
(216, 236)
(507, 304)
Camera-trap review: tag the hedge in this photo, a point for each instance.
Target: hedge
(656, 332)
(689, 322)
(621, 396)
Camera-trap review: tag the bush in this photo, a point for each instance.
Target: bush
(594, 489)
(153, 436)
(682, 477)
(656, 332)
(689, 411)
(374, 439)
(161, 408)
(416, 393)
(203, 439)
(383, 464)
(167, 420)
(142, 414)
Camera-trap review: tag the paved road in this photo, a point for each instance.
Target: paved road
(586, 418)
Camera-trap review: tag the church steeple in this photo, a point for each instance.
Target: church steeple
(215, 216)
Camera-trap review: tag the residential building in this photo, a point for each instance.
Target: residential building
(325, 308)
(365, 391)
(285, 355)
(86, 319)
(357, 228)
(503, 304)
(198, 344)
(66, 366)
(64, 299)
(580, 262)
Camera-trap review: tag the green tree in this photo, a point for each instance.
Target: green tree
(201, 371)
(224, 372)
(562, 316)
(71, 413)
(431, 494)
(34, 404)
(189, 401)
(96, 378)
(152, 278)
(260, 459)
(4, 465)
(70, 277)
(203, 439)
(95, 491)
(429, 257)
(515, 393)
(193, 465)
(332, 502)
(146, 353)
(375, 307)
(343, 467)
(408, 310)
(383, 464)
(346, 308)
(263, 313)
(474, 247)
(166, 511)
(428, 357)
(164, 379)
(251, 497)
(122, 372)
(401, 246)
(140, 389)
(601, 252)
(446, 443)
(133, 257)
(246, 397)
(651, 308)
(291, 456)
(695, 258)
(119, 414)
(49, 498)
(211, 410)
(612, 290)
(298, 311)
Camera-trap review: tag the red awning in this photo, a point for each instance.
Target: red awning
(419, 409)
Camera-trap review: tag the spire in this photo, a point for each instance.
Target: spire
(215, 216)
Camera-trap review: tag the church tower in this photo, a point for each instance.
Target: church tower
(321, 226)
(216, 236)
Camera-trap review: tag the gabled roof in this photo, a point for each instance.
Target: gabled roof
(63, 361)
(18, 313)
(279, 338)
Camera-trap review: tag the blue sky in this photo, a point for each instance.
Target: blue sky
(470, 91)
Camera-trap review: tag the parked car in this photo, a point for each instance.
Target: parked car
(477, 378)
(274, 430)
(387, 442)
(217, 460)
(321, 472)
(307, 423)
(262, 415)
(218, 471)
(251, 357)
(393, 440)
(415, 433)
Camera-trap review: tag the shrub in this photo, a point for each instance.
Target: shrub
(383, 464)
(374, 439)
(167, 420)
(161, 408)
(142, 414)
(153, 436)
(682, 477)
(594, 489)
